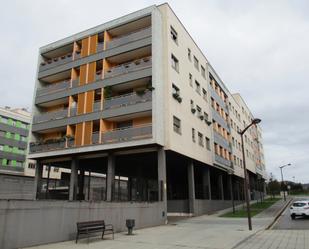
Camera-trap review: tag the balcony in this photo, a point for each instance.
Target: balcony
(129, 67)
(12, 142)
(131, 37)
(113, 136)
(221, 140)
(218, 99)
(127, 134)
(216, 116)
(127, 99)
(52, 88)
(97, 106)
(100, 46)
(18, 169)
(50, 116)
(75, 82)
(96, 137)
(223, 161)
(55, 61)
(47, 146)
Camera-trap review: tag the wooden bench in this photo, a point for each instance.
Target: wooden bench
(89, 227)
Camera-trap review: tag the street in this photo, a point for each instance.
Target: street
(285, 222)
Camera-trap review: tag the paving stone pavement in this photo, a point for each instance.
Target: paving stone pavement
(277, 239)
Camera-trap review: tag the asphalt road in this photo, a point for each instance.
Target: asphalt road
(285, 221)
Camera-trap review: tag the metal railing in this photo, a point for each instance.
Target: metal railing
(55, 87)
(129, 67)
(134, 36)
(127, 99)
(50, 116)
(56, 61)
(127, 134)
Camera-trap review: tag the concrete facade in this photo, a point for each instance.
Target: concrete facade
(135, 102)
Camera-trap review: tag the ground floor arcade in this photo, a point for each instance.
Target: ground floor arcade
(182, 185)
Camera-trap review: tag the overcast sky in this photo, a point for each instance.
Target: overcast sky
(259, 48)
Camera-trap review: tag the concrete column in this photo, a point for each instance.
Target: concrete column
(38, 179)
(81, 184)
(221, 186)
(73, 179)
(191, 186)
(162, 181)
(206, 182)
(110, 177)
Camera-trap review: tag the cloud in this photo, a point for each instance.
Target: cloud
(259, 48)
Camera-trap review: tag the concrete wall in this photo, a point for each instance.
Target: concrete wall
(16, 187)
(26, 223)
(210, 206)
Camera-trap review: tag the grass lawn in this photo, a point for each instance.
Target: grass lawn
(255, 209)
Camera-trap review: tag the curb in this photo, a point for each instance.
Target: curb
(279, 214)
(263, 229)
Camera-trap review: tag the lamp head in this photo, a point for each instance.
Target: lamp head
(256, 121)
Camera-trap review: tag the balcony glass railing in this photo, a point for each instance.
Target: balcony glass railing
(47, 146)
(219, 139)
(56, 61)
(134, 36)
(96, 106)
(55, 87)
(100, 46)
(50, 116)
(96, 137)
(128, 67)
(127, 134)
(112, 136)
(127, 99)
(223, 161)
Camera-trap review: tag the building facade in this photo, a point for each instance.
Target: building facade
(14, 132)
(132, 111)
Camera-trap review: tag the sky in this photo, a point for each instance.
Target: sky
(259, 48)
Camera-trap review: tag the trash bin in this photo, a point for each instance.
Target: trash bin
(130, 223)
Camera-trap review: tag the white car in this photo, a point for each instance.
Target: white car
(299, 208)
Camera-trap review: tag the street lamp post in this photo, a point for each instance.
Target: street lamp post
(282, 183)
(246, 180)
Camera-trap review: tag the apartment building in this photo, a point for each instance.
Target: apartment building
(134, 107)
(14, 131)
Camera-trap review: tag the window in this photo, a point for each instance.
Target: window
(207, 140)
(199, 110)
(233, 141)
(193, 135)
(234, 160)
(175, 89)
(200, 139)
(31, 166)
(204, 94)
(177, 125)
(203, 72)
(198, 87)
(56, 169)
(196, 63)
(175, 63)
(174, 35)
(189, 54)
(205, 116)
(190, 79)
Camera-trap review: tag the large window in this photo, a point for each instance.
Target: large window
(177, 124)
(175, 63)
(189, 54)
(198, 87)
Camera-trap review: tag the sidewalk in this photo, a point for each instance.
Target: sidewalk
(207, 231)
(273, 239)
